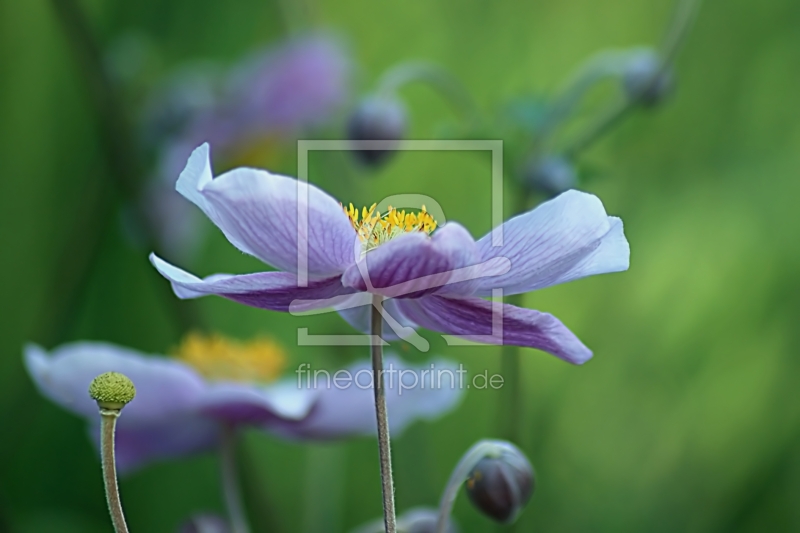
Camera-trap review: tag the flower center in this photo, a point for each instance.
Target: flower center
(221, 359)
(375, 229)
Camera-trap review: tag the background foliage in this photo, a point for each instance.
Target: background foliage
(686, 420)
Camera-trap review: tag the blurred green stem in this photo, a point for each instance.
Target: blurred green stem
(682, 22)
(384, 441)
(108, 422)
(450, 88)
(230, 481)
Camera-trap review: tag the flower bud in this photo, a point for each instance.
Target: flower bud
(377, 118)
(646, 80)
(422, 520)
(112, 390)
(204, 523)
(549, 176)
(501, 484)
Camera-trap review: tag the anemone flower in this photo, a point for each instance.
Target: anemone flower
(434, 278)
(183, 403)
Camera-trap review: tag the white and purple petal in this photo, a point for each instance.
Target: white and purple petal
(284, 222)
(346, 407)
(266, 290)
(245, 404)
(164, 388)
(564, 239)
(496, 323)
(414, 264)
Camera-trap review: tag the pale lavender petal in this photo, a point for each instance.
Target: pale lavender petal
(357, 311)
(414, 264)
(346, 407)
(267, 215)
(164, 388)
(266, 290)
(564, 239)
(239, 403)
(474, 319)
(139, 444)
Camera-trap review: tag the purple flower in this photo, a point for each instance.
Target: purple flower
(180, 404)
(274, 93)
(434, 280)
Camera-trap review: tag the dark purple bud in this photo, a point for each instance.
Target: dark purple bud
(549, 176)
(646, 80)
(422, 520)
(501, 484)
(204, 523)
(377, 118)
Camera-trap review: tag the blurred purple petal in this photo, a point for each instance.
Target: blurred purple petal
(473, 319)
(346, 407)
(267, 215)
(564, 239)
(265, 290)
(238, 403)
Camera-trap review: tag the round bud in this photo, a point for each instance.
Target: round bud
(376, 118)
(500, 485)
(646, 80)
(112, 390)
(204, 523)
(549, 176)
(422, 520)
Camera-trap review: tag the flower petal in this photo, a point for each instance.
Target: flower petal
(259, 213)
(413, 264)
(564, 239)
(164, 388)
(239, 403)
(475, 319)
(346, 407)
(179, 436)
(266, 290)
(357, 311)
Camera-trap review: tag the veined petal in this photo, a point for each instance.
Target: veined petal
(346, 407)
(266, 290)
(280, 220)
(164, 388)
(496, 323)
(564, 239)
(413, 264)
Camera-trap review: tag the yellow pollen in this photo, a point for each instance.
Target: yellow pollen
(221, 359)
(375, 229)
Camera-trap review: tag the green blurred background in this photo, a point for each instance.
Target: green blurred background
(688, 417)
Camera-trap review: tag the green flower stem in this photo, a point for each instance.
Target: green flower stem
(230, 481)
(108, 422)
(682, 22)
(384, 441)
(452, 90)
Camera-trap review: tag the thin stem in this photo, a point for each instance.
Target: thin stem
(452, 90)
(108, 422)
(230, 482)
(682, 22)
(384, 442)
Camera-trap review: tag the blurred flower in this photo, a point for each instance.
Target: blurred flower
(204, 523)
(646, 79)
(435, 281)
(416, 520)
(181, 402)
(271, 96)
(501, 484)
(549, 176)
(377, 118)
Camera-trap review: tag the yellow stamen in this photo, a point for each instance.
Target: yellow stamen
(218, 358)
(374, 229)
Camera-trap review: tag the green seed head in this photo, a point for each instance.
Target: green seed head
(112, 390)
